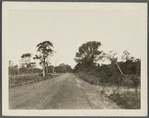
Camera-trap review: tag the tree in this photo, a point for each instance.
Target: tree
(11, 64)
(88, 53)
(62, 68)
(44, 50)
(138, 66)
(31, 65)
(25, 60)
(50, 68)
(113, 60)
(25, 63)
(13, 69)
(129, 63)
(127, 57)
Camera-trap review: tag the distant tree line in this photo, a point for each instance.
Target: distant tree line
(62, 68)
(15, 70)
(88, 56)
(44, 51)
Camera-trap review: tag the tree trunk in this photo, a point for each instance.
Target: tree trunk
(47, 70)
(53, 70)
(44, 63)
(119, 69)
(44, 71)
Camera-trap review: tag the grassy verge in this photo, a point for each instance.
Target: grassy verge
(89, 78)
(19, 80)
(126, 100)
(125, 97)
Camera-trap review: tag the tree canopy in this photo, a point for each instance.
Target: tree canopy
(88, 53)
(127, 57)
(25, 60)
(62, 68)
(26, 55)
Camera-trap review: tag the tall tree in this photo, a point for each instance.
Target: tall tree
(88, 53)
(44, 50)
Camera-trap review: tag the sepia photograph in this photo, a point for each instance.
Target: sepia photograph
(74, 59)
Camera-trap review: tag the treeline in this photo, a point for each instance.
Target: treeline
(89, 54)
(127, 68)
(111, 74)
(62, 68)
(125, 72)
(15, 70)
(44, 51)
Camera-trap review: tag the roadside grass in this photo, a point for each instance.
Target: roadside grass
(125, 97)
(19, 80)
(89, 78)
(126, 100)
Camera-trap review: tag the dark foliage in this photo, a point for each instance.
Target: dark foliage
(26, 55)
(111, 74)
(127, 100)
(88, 53)
(50, 68)
(62, 68)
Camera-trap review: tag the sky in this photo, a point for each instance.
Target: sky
(118, 28)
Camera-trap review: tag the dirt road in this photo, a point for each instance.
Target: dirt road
(63, 92)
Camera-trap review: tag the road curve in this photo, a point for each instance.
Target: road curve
(63, 92)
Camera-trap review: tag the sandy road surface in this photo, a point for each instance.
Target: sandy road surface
(63, 92)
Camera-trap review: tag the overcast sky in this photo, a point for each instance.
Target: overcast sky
(117, 29)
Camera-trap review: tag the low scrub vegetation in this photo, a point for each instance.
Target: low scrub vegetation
(124, 95)
(99, 76)
(19, 80)
(126, 100)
